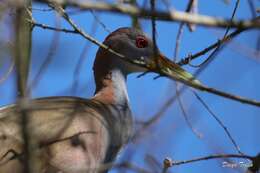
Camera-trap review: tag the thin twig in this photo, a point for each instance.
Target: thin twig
(220, 42)
(228, 38)
(8, 72)
(176, 52)
(135, 20)
(99, 21)
(41, 9)
(52, 49)
(217, 156)
(44, 26)
(254, 14)
(252, 8)
(178, 41)
(153, 20)
(219, 122)
(193, 9)
(81, 59)
(157, 116)
(152, 162)
(226, 33)
(180, 32)
(184, 113)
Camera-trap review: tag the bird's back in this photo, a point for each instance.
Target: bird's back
(68, 134)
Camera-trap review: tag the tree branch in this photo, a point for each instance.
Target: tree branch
(22, 53)
(226, 39)
(173, 15)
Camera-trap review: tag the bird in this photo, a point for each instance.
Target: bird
(78, 135)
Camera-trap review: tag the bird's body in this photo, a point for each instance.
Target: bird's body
(70, 133)
(75, 135)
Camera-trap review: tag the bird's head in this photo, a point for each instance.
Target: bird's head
(131, 43)
(135, 45)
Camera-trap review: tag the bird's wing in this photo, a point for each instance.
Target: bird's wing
(72, 134)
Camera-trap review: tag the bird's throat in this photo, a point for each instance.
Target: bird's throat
(111, 88)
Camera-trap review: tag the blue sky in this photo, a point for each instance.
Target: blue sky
(233, 70)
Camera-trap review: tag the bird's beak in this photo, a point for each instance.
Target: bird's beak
(173, 70)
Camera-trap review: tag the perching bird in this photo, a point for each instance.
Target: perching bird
(76, 135)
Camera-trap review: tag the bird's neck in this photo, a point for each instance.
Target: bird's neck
(111, 87)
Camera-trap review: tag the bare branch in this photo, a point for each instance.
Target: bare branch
(226, 39)
(220, 43)
(160, 15)
(22, 55)
(217, 156)
(187, 120)
(8, 72)
(81, 59)
(43, 26)
(49, 57)
(219, 122)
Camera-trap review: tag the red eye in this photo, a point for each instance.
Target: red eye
(141, 42)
